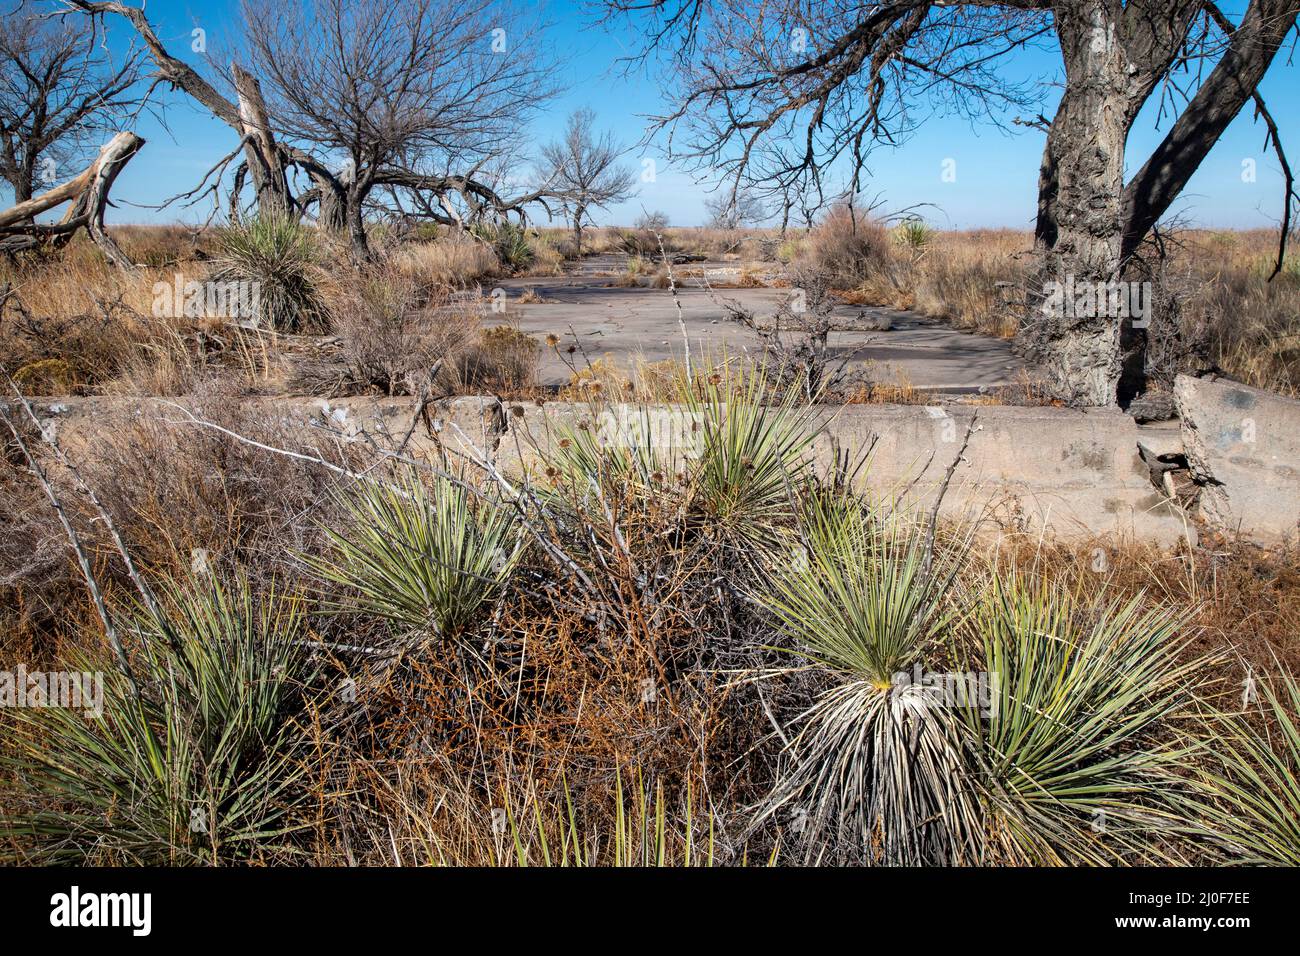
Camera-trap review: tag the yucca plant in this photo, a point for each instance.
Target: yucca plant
(1248, 794)
(753, 455)
(913, 234)
(191, 763)
(426, 557)
(876, 772)
(738, 459)
(1081, 735)
(279, 257)
(633, 447)
(510, 243)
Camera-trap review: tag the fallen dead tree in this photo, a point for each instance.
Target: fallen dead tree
(88, 193)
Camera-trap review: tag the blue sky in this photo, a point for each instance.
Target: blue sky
(996, 172)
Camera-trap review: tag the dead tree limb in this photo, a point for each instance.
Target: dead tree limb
(96, 595)
(246, 117)
(89, 194)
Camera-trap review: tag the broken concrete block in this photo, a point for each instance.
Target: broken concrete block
(1243, 448)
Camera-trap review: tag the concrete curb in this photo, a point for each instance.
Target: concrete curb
(1066, 473)
(1243, 448)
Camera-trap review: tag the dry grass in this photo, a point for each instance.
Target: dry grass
(1245, 599)
(602, 686)
(393, 332)
(73, 326)
(974, 279)
(1252, 324)
(886, 393)
(978, 280)
(971, 279)
(172, 491)
(451, 263)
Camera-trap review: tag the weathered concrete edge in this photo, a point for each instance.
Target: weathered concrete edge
(1243, 449)
(1069, 474)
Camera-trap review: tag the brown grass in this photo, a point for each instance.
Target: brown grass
(451, 263)
(74, 325)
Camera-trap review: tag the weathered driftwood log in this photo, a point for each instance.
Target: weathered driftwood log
(88, 193)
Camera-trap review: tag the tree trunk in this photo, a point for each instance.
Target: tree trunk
(260, 152)
(331, 207)
(111, 160)
(357, 225)
(1090, 224)
(24, 188)
(1228, 88)
(577, 228)
(1079, 211)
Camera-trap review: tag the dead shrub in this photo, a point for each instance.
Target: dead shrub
(503, 360)
(392, 334)
(849, 247)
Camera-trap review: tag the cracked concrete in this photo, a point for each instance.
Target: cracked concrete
(584, 309)
(1243, 449)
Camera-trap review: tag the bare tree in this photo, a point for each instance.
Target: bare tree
(368, 100)
(583, 166)
(400, 95)
(652, 221)
(58, 90)
(732, 210)
(780, 94)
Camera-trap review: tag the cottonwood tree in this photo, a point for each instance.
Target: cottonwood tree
(782, 94)
(366, 99)
(59, 91)
(583, 165)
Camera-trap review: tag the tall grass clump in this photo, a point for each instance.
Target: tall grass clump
(280, 257)
(192, 759)
(735, 447)
(633, 447)
(425, 557)
(453, 263)
(644, 830)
